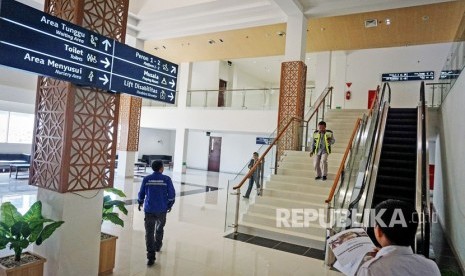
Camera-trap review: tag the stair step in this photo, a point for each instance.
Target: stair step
(400, 147)
(395, 180)
(312, 228)
(391, 139)
(398, 171)
(394, 190)
(394, 163)
(310, 188)
(398, 155)
(307, 197)
(286, 203)
(304, 181)
(281, 234)
(401, 134)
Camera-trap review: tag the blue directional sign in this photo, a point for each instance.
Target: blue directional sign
(264, 140)
(408, 76)
(449, 74)
(35, 41)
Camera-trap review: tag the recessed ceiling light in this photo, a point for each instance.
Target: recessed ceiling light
(281, 33)
(425, 18)
(387, 21)
(221, 40)
(211, 41)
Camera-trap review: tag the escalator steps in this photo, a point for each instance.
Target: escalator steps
(397, 166)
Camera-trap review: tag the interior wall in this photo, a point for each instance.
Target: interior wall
(205, 76)
(236, 149)
(450, 168)
(364, 69)
(156, 141)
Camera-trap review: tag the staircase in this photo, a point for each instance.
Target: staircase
(294, 187)
(397, 165)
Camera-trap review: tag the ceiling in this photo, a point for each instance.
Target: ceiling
(247, 31)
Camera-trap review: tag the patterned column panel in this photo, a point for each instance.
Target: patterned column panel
(291, 104)
(76, 127)
(129, 118)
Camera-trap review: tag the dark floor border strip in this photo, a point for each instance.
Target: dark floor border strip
(278, 245)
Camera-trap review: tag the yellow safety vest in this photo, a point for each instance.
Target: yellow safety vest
(316, 141)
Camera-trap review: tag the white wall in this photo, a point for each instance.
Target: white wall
(156, 141)
(236, 149)
(253, 99)
(364, 68)
(450, 168)
(205, 75)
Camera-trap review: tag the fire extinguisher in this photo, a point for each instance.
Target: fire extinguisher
(348, 95)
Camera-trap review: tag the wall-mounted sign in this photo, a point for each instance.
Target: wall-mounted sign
(264, 140)
(449, 74)
(37, 42)
(408, 76)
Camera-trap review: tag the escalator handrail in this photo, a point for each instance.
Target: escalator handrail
(344, 158)
(422, 186)
(368, 172)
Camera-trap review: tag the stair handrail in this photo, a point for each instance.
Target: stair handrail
(314, 110)
(375, 147)
(422, 240)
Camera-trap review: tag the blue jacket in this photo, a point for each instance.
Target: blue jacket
(158, 192)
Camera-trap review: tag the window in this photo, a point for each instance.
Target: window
(16, 127)
(20, 128)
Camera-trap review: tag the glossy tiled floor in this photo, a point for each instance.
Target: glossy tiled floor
(194, 242)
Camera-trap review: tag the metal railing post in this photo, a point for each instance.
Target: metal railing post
(432, 98)
(205, 99)
(236, 216)
(243, 100)
(329, 255)
(262, 167)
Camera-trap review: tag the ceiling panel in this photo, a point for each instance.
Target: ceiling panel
(408, 27)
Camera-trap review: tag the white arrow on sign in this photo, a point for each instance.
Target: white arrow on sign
(104, 79)
(172, 83)
(173, 70)
(171, 96)
(106, 62)
(107, 44)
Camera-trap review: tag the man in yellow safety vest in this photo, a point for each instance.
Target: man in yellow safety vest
(321, 147)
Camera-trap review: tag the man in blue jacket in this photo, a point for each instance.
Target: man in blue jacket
(157, 194)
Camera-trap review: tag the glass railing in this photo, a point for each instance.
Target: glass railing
(453, 66)
(249, 99)
(434, 93)
(267, 169)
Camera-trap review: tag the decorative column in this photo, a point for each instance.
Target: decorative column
(74, 147)
(129, 112)
(291, 104)
(293, 77)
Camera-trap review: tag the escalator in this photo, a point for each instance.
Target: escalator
(397, 166)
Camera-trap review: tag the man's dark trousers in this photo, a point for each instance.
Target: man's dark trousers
(153, 241)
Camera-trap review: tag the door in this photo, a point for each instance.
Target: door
(214, 154)
(221, 92)
(371, 97)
